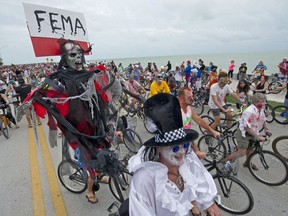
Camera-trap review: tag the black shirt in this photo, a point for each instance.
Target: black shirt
(23, 91)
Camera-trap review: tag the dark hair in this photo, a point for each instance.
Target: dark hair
(150, 154)
(246, 88)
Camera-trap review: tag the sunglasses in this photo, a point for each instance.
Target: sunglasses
(176, 148)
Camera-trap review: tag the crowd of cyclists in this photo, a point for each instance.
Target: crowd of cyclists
(189, 78)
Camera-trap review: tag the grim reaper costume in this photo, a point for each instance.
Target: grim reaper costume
(75, 100)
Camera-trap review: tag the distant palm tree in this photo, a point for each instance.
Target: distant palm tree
(1, 61)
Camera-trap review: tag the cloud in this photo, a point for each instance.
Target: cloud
(130, 28)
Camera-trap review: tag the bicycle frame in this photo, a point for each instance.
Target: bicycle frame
(259, 150)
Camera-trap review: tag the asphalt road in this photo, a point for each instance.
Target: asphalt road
(29, 183)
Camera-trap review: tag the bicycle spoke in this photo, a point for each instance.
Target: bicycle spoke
(233, 196)
(272, 170)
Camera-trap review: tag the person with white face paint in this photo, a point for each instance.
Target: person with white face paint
(168, 178)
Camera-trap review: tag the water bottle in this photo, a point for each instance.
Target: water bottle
(227, 167)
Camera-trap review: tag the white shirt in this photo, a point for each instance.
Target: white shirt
(220, 93)
(178, 76)
(152, 193)
(252, 118)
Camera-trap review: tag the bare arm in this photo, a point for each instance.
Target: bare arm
(203, 124)
(236, 97)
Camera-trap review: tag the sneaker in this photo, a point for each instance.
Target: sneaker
(283, 114)
(254, 167)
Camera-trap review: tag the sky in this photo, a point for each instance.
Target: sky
(131, 28)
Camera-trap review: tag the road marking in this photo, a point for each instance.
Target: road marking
(55, 192)
(37, 194)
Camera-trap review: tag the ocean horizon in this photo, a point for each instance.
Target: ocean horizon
(270, 58)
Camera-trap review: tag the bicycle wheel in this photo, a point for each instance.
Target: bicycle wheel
(120, 185)
(72, 176)
(281, 114)
(209, 120)
(198, 107)
(132, 140)
(5, 129)
(233, 196)
(273, 86)
(280, 146)
(214, 148)
(146, 125)
(269, 113)
(272, 169)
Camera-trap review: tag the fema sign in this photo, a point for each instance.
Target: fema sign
(46, 25)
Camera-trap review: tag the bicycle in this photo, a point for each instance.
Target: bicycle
(73, 176)
(280, 146)
(4, 122)
(215, 148)
(281, 114)
(233, 196)
(272, 169)
(209, 119)
(119, 177)
(277, 82)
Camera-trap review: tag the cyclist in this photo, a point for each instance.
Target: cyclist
(185, 97)
(280, 88)
(262, 85)
(23, 90)
(218, 92)
(212, 79)
(135, 88)
(159, 86)
(251, 121)
(242, 90)
(5, 105)
(259, 69)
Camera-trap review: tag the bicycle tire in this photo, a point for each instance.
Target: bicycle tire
(280, 146)
(5, 130)
(145, 123)
(275, 174)
(71, 176)
(198, 107)
(209, 120)
(269, 113)
(132, 140)
(273, 86)
(120, 192)
(281, 114)
(212, 147)
(234, 195)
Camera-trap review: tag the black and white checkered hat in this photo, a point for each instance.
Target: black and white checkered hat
(165, 112)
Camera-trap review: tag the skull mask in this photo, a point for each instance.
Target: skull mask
(74, 56)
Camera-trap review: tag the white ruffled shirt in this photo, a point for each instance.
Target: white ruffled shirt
(152, 193)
